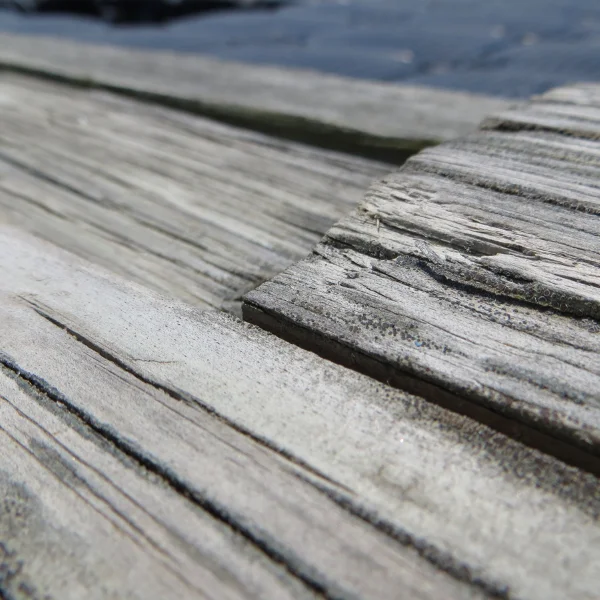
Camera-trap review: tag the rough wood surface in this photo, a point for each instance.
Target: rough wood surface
(80, 519)
(191, 208)
(340, 479)
(573, 111)
(350, 114)
(474, 270)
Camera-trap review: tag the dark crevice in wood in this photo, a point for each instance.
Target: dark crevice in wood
(134, 245)
(45, 177)
(438, 558)
(444, 561)
(39, 205)
(483, 280)
(169, 478)
(418, 167)
(486, 283)
(78, 192)
(336, 351)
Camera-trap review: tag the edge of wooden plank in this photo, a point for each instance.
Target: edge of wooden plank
(348, 357)
(379, 120)
(290, 316)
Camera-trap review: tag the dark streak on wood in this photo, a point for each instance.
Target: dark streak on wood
(406, 481)
(189, 207)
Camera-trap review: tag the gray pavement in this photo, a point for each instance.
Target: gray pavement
(511, 48)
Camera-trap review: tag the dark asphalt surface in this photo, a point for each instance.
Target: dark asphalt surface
(511, 48)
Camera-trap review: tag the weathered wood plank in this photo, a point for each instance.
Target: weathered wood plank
(509, 520)
(573, 110)
(582, 94)
(194, 209)
(353, 115)
(476, 270)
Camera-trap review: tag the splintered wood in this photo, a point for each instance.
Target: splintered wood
(472, 276)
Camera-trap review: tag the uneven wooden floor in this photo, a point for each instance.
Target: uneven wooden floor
(194, 445)
(151, 449)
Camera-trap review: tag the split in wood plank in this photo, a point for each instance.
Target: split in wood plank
(194, 209)
(340, 479)
(472, 275)
(381, 120)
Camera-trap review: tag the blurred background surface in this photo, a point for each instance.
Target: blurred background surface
(511, 48)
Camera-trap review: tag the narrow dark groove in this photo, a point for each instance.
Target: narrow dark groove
(442, 560)
(39, 205)
(439, 559)
(168, 477)
(524, 430)
(487, 287)
(45, 177)
(182, 396)
(558, 302)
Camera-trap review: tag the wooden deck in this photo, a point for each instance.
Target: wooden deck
(416, 414)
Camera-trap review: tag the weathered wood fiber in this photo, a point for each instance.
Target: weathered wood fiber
(138, 494)
(582, 94)
(194, 209)
(348, 114)
(508, 520)
(573, 111)
(476, 270)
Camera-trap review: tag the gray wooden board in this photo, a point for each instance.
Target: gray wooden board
(344, 480)
(572, 111)
(474, 270)
(328, 109)
(194, 209)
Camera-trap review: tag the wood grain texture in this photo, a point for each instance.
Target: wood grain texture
(353, 114)
(475, 270)
(80, 519)
(572, 111)
(344, 479)
(194, 209)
